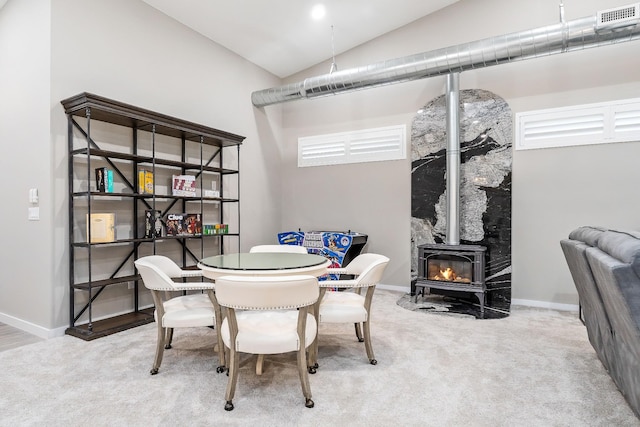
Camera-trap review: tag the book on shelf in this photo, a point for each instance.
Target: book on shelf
(152, 223)
(101, 227)
(184, 224)
(101, 179)
(104, 180)
(213, 193)
(109, 181)
(145, 181)
(183, 185)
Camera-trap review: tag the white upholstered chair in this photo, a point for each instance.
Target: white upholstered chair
(192, 310)
(295, 249)
(348, 305)
(267, 315)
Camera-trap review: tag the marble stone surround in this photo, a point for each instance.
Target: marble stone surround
(485, 184)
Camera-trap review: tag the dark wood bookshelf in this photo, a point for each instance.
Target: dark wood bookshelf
(199, 150)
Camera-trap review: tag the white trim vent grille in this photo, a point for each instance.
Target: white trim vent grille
(368, 145)
(618, 17)
(608, 122)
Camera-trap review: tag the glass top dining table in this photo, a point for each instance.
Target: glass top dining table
(263, 263)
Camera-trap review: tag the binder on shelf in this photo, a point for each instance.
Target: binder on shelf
(102, 227)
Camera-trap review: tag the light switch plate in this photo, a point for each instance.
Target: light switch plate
(33, 195)
(34, 214)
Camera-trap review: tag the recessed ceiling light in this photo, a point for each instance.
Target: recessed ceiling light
(318, 12)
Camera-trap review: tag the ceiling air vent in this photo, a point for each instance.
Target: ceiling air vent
(619, 17)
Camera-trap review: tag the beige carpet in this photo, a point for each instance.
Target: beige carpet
(533, 368)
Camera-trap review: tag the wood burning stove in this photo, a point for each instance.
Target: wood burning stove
(453, 268)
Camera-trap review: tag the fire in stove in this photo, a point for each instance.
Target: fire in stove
(449, 270)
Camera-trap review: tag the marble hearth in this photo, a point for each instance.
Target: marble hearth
(485, 193)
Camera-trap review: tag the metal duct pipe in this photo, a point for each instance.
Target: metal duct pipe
(453, 159)
(558, 38)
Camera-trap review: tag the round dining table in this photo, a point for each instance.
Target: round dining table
(264, 264)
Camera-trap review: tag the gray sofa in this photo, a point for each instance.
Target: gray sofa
(605, 266)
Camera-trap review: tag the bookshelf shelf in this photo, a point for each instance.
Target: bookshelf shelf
(123, 139)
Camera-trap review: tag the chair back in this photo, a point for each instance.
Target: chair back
(155, 272)
(267, 293)
(372, 273)
(165, 264)
(294, 249)
(360, 263)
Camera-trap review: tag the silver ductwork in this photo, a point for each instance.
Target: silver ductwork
(453, 159)
(553, 39)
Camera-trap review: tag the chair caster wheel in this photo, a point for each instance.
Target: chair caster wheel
(309, 403)
(167, 347)
(311, 370)
(315, 365)
(228, 406)
(154, 371)
(360, 339)
(373, 361)
(220, 369)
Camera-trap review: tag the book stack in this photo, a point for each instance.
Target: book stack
(183, 185)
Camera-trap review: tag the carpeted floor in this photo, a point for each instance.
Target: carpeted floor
(532, 368)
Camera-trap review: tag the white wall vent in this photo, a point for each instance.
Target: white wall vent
(368, 145)
(608, 122)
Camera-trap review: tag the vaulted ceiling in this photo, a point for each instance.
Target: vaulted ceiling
(280, 35)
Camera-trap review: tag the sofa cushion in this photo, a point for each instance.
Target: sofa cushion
(623, 246)
(595, 316)
(619, 287)
(588, 235)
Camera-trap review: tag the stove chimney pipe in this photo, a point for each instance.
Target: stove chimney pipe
(453, 160)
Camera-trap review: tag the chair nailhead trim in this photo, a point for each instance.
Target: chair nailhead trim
(288, 307)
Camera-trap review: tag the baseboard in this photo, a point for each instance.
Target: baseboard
(545, 304)
(45, 333)
(396, 288)
(31, 328)
(518, 302)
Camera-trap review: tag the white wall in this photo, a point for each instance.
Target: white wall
(130, 52)
(25, 253)
(554, 190)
